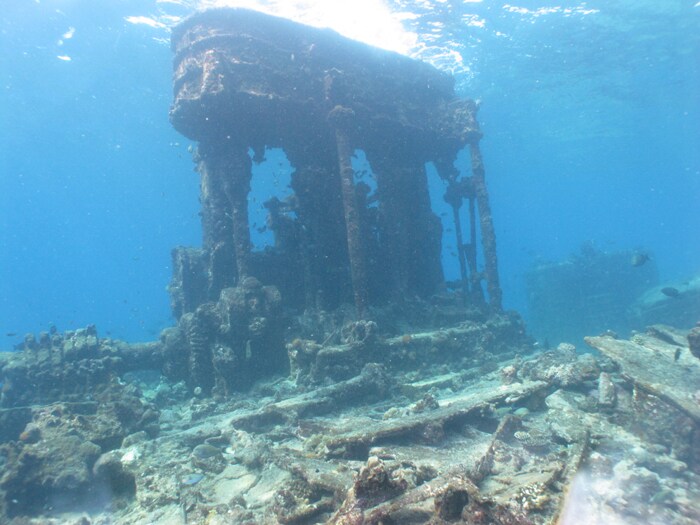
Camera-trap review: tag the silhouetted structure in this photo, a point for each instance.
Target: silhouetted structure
(244, 80)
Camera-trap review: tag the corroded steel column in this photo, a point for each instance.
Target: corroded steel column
(477, 293)
(392, 218)
(488, 234)
(341, 119)
(227, 169)
(237, 186)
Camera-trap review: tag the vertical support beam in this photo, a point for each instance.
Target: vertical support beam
(392, 217)
(237, 176)
(216, 226)
(341, 119)
(319, 204)
(470, 250)
(424, 236)
(226, 171)
(488, 234)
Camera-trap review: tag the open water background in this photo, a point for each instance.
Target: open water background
(590, 110)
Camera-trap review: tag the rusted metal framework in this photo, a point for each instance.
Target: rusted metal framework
(245, 81)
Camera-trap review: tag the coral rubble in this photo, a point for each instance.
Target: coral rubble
(530, 438)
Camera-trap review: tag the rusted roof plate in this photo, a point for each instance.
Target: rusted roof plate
(264, 79)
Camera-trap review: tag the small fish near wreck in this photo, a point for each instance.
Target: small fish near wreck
(670, 291)
(639, 259)
(334, 379)
(191, 479)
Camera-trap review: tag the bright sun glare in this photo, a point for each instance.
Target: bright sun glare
(370, 21)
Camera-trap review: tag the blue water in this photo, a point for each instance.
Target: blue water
(590, 111)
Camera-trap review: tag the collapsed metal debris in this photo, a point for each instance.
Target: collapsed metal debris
(660, 363)
(505, 439)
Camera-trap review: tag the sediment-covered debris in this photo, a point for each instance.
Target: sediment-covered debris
(224, 346)
(530, 439)
(68, 366)
(659, 363)
(56, 462)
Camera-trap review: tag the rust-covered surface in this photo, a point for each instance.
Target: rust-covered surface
(271, 81)
(245, 81)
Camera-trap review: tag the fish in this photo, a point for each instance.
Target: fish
(639, 259)
(11, 334)
(670, 291)
(191, 479)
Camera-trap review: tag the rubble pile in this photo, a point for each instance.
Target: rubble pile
(530, 437)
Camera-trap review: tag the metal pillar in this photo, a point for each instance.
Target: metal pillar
(341, 119)
(229, 169)
(488, 234)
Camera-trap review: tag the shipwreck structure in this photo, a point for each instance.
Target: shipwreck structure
(379, 396)
(355, 274)
(245, 81)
